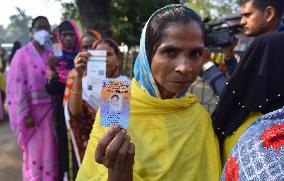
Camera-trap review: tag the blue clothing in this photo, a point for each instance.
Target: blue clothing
(142, 71)
(231, 65)
(217, 80)
(281, 26)
(65, 64)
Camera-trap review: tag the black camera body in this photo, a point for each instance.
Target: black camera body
(221, 34)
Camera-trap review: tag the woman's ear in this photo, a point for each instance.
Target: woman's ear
(269, 13)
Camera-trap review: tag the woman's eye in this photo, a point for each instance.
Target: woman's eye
(170, 52)
(196, 54)
(109, 54)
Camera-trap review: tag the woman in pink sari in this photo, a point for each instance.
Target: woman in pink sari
(30, 108)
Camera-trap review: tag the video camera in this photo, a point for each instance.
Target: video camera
(221, 34)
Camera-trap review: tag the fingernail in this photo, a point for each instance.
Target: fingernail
(116, 127)
(127, 137)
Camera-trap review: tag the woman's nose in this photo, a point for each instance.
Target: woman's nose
(183, 66)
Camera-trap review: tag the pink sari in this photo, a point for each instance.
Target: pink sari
(27, 99)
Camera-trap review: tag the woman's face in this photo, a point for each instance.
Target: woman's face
(68, 39)
(41, 24)
(87, 43)
(112, 69)
(178, 59)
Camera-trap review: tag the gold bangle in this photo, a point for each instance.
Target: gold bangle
(76, 92)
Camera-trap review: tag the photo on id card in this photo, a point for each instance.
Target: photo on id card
(115, 103)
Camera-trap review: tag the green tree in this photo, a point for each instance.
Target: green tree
(215, 9)
(120, 19)
(124, 19)
(18, 29)
(70, 11)
(95, 14)
(128, 18)
(2, 34)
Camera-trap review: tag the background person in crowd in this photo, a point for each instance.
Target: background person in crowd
(258, 154)
(3, 62)
(81, 106)
(88, 39)
(258, 17)
(254, 89)
(69, 38)
(16, 45)
(30, 107)
(3, 59)
(171, 131)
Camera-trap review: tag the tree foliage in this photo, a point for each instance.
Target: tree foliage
(129, 17)
(18, 29)
(120, 19)
(70, 11)
(214, 9)
(124, 19)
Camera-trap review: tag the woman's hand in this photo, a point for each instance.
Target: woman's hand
(51, 62)
(115, 151)
(80, 62)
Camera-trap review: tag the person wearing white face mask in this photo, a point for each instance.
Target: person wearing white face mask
(31, 108)
(43, 38)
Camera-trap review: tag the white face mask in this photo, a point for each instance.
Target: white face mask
(42, 37)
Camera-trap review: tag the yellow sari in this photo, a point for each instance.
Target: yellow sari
(2, 82)
(173, 138)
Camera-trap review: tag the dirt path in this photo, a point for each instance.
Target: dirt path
(10, 155)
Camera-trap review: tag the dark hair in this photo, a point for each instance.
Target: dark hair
(37, 19)
(159, 22)
(108, 41)
(92, 37)
(92, 33)
(113, 96)
(65, 26)
(3, 49)
(278, 5)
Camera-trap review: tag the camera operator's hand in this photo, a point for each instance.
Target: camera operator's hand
(229, 50)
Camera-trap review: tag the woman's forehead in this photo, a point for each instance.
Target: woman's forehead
(67, 32)
(104, 45)
(41, 22)
(183, 33)
(182, 28)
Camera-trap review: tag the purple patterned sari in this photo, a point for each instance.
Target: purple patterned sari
(28, 100)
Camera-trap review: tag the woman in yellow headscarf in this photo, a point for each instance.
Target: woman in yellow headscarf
(170, 135)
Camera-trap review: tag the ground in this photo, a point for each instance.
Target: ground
(10, 155)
